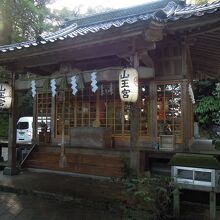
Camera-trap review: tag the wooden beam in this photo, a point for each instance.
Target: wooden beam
(170, 77)
(189, 63)
(206, 62)
(192, 23)
(211, 36)
(72, 55)
(205, 29)
(121, 49)
(210, 45)
(205, 51)
(207, 39)
(198, 55)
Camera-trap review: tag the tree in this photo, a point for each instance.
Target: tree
(24, 104)
(97, 9)
(207, 95)
(61, 16)
(199, 2)
(64, 15)
(23, 19)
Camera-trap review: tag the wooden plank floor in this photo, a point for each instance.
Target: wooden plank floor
(92, 164)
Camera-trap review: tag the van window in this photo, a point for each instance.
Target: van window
(22, 125)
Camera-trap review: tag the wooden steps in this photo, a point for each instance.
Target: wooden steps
(92, 164)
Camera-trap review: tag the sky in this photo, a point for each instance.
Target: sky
(70, 4)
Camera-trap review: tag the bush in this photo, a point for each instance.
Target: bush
(149, 197)
(217, 144)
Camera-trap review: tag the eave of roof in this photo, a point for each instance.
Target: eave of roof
(161, 11)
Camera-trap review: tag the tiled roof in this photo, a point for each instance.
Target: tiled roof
(147, 8)
(161, 11)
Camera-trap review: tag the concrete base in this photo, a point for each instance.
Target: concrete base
(11, 171)
(63, 161)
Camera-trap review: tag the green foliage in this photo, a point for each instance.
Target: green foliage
(208, 103)
(149, 197)
(97, 9)
(216, 93)
(199, 2)
(126, 169)
(23, 20)
(27, 19)
(24, 104)
(61, 16)
(207, 109)
(217, 144)
(24, 108)
(146, 197)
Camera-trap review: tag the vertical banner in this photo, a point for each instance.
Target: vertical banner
(74, 85)
(33, 88)
(94, 82)
(53, 87)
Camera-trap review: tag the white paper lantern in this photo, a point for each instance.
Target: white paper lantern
(128, 85)
(5, 95)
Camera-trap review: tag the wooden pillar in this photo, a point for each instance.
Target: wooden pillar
(97, 121)
(53, 119)
(134, 150)
(63, 161)
(185, 100)
(34, 140)
(11, 168)
(134, 137)
(153, 117)
(212, 205)
(176, 204)
(185, 114)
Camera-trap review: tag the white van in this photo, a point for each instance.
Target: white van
(24, 130)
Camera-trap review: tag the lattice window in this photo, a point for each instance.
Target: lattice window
(80, 110)
(169, 113)
(43, 112)
(104, 108)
